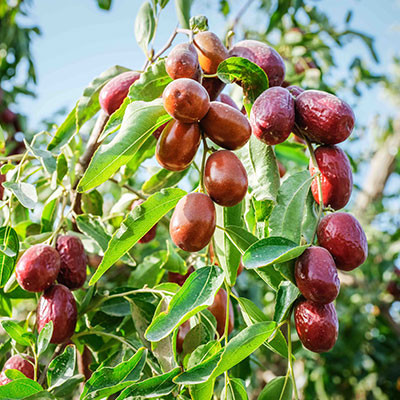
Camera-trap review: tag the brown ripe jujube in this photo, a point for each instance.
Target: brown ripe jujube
(317, 325)
(226, 126)
(2, 180)
(272, 116)
(225, 178)
(186, 100)
(57, 304)
(177, 145)
(193, 222)
(157, 133)
(73, 261)
(114, 92)
(226, 99)
(210, 50)
(182, 62)
(151, 234)
(183, 330)
(264, 56)
(178, 278)
(336, 176)
(316, 275)
(22, 363)
(213, 86)
(342, 235)
(323, 117)
(38, 268)
(218, 309)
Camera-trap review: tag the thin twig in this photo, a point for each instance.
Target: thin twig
(166, 46)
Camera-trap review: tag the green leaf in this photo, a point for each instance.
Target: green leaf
(138, 222)
(240, 237)
(287, 216)
(156, 386)
(172, 261)
(235, 390)
(24, 192)
(45, 157)
(62, 367)
(310, 218)
(140, 120)
(251, 77)
(49, 215)
(67, 387)
(14, 374)
(228, 254)
(183, 12)
(262, 170)
(115, 120)
(145, 26)
(162, 179)
(64, 132)
(286, 296)
(151, 83)
(275, 388)
(43, 395)
(19, 389)
(44, 338)
(16, 332)
(94, 228)
(5, 307)
(198, 23)
(109, 380)
(61, 168)
(196, 294)
(92, 203)
(146, 151)
(293, 152)
(271, 250)
(9, 244)
(104, 4)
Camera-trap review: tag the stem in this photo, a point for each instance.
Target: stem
(166, 46)
(130, 189)
(16, 157)
(290, 361)
(106, 334)
(228, 296)
(35, 367)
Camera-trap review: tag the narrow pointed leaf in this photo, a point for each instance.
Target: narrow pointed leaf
(62, 367)
(287, 295)
(9, 243)
(277, 388)
(20, 389)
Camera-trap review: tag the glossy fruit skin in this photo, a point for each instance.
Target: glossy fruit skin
(316, 275)
(272, 116)
(183, 330)
(214, 87)
(38, 268)
(323, 117)
(336, 176)
(19, 363)
(264, 56)
(178, 145)
(57, 304)
(225, 178)
(218, 309)
(226, 99)
(178, 278)
(226, 126)
(151, 234)
(295, 90)
(193, 222)
(182, 62)
(210, 50)
(73, 261)
(114, 92)
(317, 325)
(186, 100)
(342, 235)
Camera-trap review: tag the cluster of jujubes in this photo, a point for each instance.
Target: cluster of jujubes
(37, 271)
(189, 100)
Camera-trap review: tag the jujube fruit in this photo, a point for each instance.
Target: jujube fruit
(73, 261)
(114, 92)
(225, 178)
(210, 50)
(316, 325)
(316, 275)
(2, 180)
(264, 56)
(226, 99)
(57, 304)
(218, 309)
(151, 234)
(336, 176)
(186, 100)
(193, 222)
(182, 62)
(178, 278)
(23, 364)
(38, 268)
(183, 330)
(214, 87)
(272, 115)
(226, 126)
(178, 145)
(342, 235)
(323, 117)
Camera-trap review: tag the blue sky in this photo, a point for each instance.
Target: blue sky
(79, 41)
